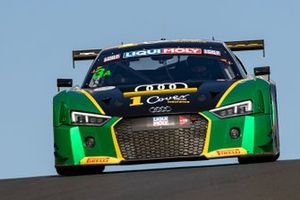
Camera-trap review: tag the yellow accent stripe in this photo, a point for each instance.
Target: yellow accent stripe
(127, 45)
(207, 138)
(114, 137)
(245, 45)
(227, 92)
(93, 101)
(167, 91)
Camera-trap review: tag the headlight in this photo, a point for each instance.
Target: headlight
(81, 118)
(242, 108)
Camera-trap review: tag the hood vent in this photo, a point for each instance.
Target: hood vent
(213, 94)
(106, 100)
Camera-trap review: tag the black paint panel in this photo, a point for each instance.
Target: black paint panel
(115, 104)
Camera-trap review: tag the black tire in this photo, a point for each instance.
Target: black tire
(80, 170)
(258, 159)
(276, 137)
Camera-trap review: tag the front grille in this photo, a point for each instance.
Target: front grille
(140, 139)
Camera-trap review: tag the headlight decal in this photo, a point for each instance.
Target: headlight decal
(237, 109)
(82, 118)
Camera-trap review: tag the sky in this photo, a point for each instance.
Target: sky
(37, 38)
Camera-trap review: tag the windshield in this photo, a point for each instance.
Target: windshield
(148, 66)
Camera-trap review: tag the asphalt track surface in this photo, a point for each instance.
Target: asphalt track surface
(267, 181)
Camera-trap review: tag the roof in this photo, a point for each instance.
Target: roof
(163, 42)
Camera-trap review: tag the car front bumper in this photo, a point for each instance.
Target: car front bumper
(208, 139)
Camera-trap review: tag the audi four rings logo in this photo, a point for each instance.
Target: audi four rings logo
(160, 109)
(161, 86)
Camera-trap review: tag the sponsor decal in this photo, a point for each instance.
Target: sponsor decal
(136, 101)
(131, 54)
(183, 120)
(161, 121)
(113, 57)
(98, 160)
(226, 152)
(161, 86)
(160, 109)
(88, 54)
(100, 73)
(174, 99)
(170, 99)
(211, 52)
(181, 51)
(149, 52)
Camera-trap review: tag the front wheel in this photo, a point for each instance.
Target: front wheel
(258, 159)
(79, 170)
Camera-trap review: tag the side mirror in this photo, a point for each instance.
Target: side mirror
(264, 72)
(61, 82)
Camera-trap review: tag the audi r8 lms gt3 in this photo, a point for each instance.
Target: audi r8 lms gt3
(169, 100)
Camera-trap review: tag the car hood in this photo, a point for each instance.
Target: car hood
(159, 99)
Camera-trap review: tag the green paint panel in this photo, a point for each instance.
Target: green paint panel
(220, 129)
(103, 136)
(77, 145)
(65, 102)
(254, 129)
(70, 142)
(257, 90)
(63, 147)
(263, 133)
(249, 134)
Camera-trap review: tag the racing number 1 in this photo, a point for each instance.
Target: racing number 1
(136, 101)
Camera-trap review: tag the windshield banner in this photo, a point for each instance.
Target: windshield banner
(148, 52)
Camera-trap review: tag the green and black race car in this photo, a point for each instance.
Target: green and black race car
(168, 100)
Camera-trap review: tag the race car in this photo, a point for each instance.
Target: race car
(166, 100)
